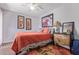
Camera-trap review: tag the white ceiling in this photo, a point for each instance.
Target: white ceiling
(24, 8)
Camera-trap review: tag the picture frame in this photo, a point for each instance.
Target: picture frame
(28, 23)
(20, 22)
(68, 27)
(47, 21)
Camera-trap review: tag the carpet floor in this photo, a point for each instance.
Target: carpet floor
(49, 50)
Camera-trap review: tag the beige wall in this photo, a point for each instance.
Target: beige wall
(0, 26)
(10, 25)
(68, 14)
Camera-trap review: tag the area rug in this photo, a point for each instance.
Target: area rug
(49, 50)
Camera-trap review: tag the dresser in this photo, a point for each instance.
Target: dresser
(63, 40)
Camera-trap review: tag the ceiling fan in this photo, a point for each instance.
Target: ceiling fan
(33, 6)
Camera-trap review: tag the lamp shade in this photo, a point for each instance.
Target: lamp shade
(57, 24)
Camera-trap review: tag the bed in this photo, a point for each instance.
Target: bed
(25, 40)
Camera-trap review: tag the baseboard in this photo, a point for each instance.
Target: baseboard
(3, 44)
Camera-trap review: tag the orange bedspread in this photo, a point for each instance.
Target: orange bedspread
(23, 39)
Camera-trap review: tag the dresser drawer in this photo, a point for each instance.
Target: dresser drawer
(62, 39)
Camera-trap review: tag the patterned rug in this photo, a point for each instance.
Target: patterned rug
(49, 50)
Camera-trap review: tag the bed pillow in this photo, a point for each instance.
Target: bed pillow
(45, 30)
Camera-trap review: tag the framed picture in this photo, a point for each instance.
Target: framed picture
(20, 22)
(68, 27)
(28, 23)
(47, 21)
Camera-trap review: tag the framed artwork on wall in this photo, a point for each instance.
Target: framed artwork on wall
(68, 27)
(20, 23)
(28, 23)
(47, 21)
